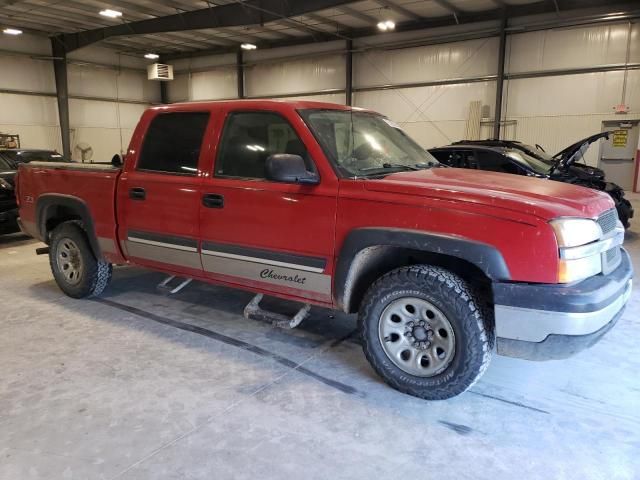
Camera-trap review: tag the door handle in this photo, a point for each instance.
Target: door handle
(137, 193)
(212, 200)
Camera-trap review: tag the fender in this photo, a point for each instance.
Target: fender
(45, 208)
(485, 257)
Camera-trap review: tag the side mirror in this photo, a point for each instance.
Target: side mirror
(116, 161)
(288, 168)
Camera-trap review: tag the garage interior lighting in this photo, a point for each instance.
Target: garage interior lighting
(110, 13)
(248, 46)
(12, 31)
(386, 25)
(152, 56)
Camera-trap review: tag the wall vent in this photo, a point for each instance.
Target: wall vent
(160, 71)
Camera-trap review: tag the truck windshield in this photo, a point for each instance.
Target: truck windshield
(362, 143)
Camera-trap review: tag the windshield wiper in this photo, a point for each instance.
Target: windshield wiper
(386, 166)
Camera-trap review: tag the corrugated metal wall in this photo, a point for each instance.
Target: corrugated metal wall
(553, 110)
(109, 100)
(403, 82)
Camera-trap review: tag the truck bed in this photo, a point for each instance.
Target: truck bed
(91, 185)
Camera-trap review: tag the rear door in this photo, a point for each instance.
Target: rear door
(275, 237)
(159, 194)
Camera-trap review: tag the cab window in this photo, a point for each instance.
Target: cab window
(172, 143)
(249, 138)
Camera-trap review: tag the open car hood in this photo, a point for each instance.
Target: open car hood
(576, 151)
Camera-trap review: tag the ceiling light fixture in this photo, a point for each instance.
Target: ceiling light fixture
(386, 25)
(12, 31)
(110, 13)
(152, 56)
(248, 46)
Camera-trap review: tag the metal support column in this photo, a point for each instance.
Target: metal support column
(348, 89)
(500, 79)
(62, 92)
(164, 92)
(240, 73)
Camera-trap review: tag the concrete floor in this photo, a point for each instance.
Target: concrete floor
(138, 385)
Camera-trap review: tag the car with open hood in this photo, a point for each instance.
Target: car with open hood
(511, 156)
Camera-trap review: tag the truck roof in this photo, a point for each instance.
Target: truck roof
(259, 103)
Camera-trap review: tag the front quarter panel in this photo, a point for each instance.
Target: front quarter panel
(526, 243)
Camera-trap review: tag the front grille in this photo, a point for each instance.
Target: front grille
(611, 259)
(608, 221)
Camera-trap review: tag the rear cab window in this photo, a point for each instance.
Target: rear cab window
(173, 142)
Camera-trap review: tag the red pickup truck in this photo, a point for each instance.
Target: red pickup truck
(337, 207)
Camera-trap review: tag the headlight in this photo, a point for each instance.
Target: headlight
(572, 232)
(579, 269)
(575, 232)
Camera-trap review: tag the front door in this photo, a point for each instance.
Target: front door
(159, 199)
(275, 237)
(617, 155)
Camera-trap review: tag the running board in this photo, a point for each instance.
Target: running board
(165, 287)
(253, 312)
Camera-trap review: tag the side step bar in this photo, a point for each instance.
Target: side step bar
(165, 287)
(253, 312)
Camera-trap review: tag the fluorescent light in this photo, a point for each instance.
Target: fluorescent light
(12, 31)
(110, 13)
(248, 46)
(152, 56)
(386, 25)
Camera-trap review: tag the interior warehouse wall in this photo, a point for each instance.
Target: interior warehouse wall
(27, 91)
(119, 92)
(432, 115)
(117, 85)
(555, 111)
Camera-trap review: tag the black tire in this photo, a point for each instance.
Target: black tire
(474, 338)
(93, 276)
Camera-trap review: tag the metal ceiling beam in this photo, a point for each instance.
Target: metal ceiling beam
(90, 10)
(625, 8)
(229, 15)
(398, 9)
(327, 21)
(357, 14)
(448, 6)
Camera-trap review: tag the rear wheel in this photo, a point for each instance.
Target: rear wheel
(75, 268)
(425, 333)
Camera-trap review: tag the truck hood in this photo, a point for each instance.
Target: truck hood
(542, 198)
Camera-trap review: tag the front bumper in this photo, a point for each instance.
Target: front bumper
(545, 322)
(9, 221)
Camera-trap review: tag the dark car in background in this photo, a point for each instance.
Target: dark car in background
(23, 155)
(510, 156)
(8, 205)
(9, 161)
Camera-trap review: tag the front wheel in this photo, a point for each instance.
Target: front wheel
(424, 332)
(75, 268)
